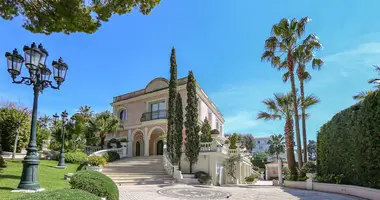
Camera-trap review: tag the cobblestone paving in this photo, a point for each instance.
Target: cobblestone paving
(178, 191)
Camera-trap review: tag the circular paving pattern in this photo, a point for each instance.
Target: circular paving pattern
(193, 193)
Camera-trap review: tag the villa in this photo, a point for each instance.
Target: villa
(143, 114)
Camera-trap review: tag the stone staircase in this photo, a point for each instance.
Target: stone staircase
(138, 171)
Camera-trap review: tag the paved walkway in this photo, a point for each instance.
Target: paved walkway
(178, 191)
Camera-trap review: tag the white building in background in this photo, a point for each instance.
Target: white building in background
(261, 144)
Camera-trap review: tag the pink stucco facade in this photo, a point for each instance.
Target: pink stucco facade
(144, 134)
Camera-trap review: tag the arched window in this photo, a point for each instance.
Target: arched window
(123, 115)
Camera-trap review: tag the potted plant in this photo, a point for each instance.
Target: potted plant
(96, 163)
(310, 168)
(124, 142)
(250, 179)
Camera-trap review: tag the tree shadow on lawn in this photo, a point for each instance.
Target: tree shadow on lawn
(6, 176)
(6, 188)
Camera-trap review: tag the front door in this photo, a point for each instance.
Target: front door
(160, 147)
(137, 148)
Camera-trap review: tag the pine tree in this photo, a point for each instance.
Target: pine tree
(172, 102)
(179, 127)
(206, 131)
(191, 124)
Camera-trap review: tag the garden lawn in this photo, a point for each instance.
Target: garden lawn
(49, 177)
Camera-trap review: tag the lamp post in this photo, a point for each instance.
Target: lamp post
(61, 163)
(39, 75)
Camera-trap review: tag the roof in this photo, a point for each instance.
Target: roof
(146, 90)
(158, 84)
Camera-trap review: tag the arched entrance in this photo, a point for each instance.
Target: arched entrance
(137, 148)
(160, 148)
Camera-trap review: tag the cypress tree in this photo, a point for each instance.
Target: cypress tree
(206, 131)
(172, 102)
(179, 127)
(191, 124)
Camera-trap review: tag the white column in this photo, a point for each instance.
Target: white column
(146, 142)
(130, 143)
(280, 172)
(238, 172)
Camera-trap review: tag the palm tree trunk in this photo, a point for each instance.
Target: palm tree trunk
(303, 121)
(295, 108)
(102, 142)
(15, 146)
(289, 139)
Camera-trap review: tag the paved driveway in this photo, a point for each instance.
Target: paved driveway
(178, 191)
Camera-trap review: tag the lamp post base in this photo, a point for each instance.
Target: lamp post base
(29, 177)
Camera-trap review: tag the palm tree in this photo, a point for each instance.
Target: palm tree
(44, 121)
(105, 122)
(281, 107)
(86, 112)
(279, 50)
(361, 95)
(303, 55)
(376, 80)
(276, 145)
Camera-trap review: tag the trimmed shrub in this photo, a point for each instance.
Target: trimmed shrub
(349, 144)
(204, 179)
(214, 132)
(95, 183)
(302, 178)
(227, 142)
(124, 140)
(62, 194)
(111, 156)
(251, 178)
(199, 173)
(96, 161)
(3, 163)
(113, 140)
(309, 167)
(76, 157)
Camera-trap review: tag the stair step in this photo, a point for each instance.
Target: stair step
(121, 176)
(144, 182)
(134, 174)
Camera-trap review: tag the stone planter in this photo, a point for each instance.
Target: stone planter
(95, 168)
(124, 144)
(113, 145)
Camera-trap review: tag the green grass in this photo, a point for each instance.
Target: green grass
(49, 177)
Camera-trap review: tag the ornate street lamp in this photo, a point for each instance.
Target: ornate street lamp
(61, 163)
(39, 74)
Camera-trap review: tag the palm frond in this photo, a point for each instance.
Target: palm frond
(317, 63)
(301, 26)
(267, 56)
(311, 100)
(306, 76)
(267, 116)
(271, 43)
(362, 95)
(285, 76)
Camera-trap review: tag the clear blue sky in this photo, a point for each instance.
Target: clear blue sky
(221, 41)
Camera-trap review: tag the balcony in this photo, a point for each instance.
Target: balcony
(159, 114)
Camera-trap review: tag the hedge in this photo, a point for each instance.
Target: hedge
(75, 157)
(62, 194)
(95, 183)
(349, 144)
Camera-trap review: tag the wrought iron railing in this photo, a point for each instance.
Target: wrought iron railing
(159, 114)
